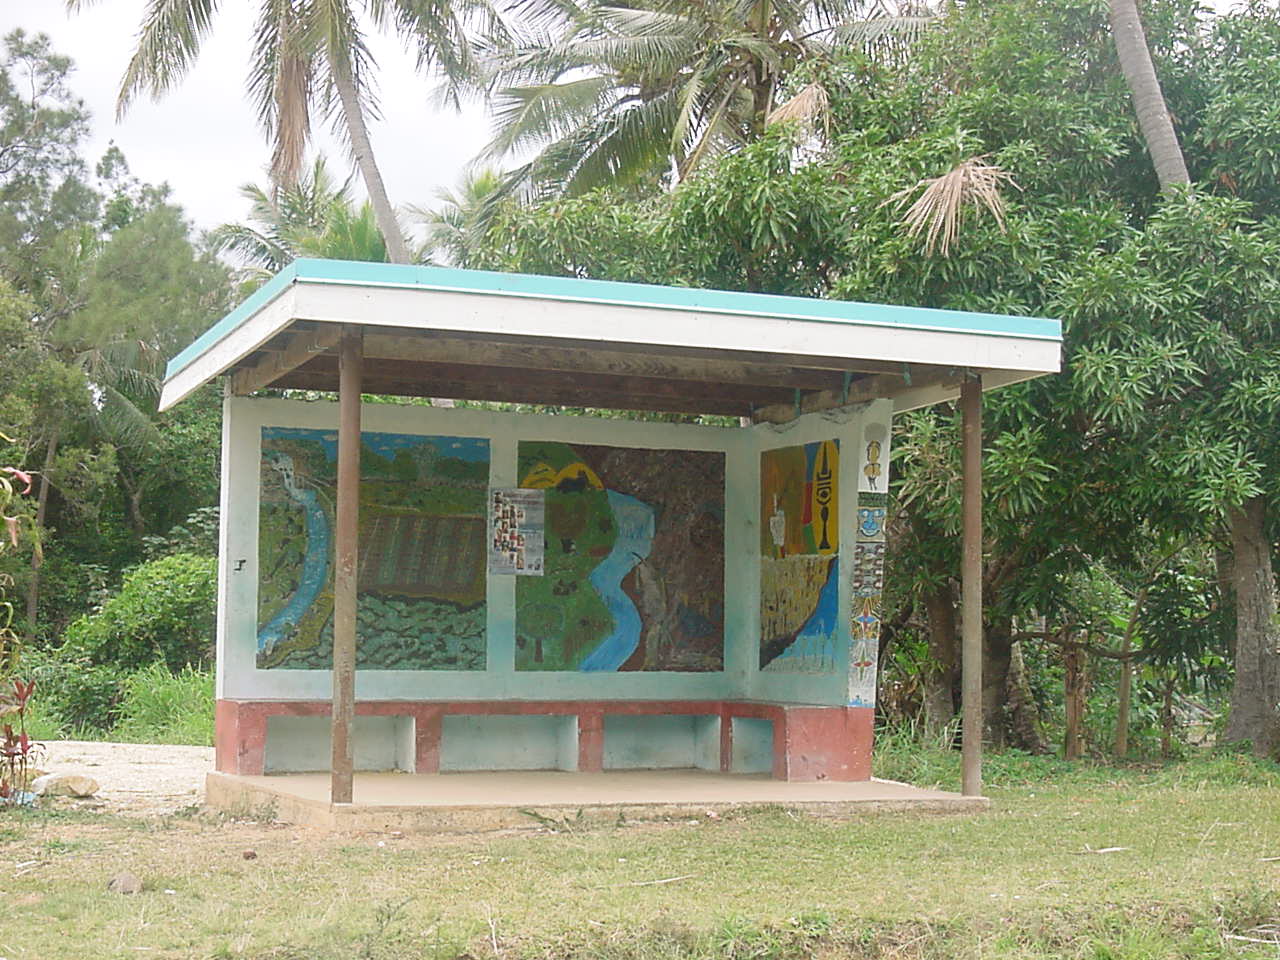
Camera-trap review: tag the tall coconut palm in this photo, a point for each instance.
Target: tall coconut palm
(615, 93)
(1148, 100)
(308, 55)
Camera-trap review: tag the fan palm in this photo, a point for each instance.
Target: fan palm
(308, 54)
(614, 94)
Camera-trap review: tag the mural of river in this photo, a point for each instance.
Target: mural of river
(315, 562)
(634, 565)
(814, 649)
(634, 523)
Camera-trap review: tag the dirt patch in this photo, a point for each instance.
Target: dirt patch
(137, 779)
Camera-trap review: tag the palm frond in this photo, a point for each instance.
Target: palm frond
(120, 420)
(250, 246)
(810, 109)
(939, 210)
(280, 86)
(885, 36)
(538, 115)
(168, 42)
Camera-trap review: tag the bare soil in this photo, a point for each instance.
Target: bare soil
(136, 779)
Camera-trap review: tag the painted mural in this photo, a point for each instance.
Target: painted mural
(800, 558)
(633, 575)
(867, 576)
(422, 551)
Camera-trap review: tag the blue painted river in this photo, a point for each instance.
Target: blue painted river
(634, 520)
(315, 565)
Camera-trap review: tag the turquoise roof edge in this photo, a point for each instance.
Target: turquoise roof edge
(616, 293)
(251, 305)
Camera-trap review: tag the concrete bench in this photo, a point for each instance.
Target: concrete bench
(788, 741)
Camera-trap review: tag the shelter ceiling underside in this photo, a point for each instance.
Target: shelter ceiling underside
(424, 363)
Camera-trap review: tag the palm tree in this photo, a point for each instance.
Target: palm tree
(300, 220)
(308, 54)
(1148, 100)
(457, 227)
(620, 93)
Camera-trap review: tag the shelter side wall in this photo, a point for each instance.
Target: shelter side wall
(240, 677)
(813, 667)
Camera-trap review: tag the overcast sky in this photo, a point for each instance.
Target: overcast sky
(203, 139)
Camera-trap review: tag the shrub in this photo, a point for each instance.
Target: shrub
(164, 707)
(164, 611)
(77, 692)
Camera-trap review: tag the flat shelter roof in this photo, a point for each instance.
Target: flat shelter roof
(469, 334)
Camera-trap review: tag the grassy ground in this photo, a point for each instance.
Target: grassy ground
(1040, 875)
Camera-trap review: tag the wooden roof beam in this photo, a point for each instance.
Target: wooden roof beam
(860, 391)
(301, 348)
(428, 375)
(564, 396)
(652, 350)
(578, 360)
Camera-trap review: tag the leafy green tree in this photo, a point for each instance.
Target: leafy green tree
(1074, 477)
(113, 284)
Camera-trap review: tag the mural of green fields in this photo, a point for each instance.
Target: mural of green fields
(422, 551)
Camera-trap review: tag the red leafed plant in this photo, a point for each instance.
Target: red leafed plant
(18, 751)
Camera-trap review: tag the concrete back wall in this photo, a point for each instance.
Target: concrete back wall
(239, 678)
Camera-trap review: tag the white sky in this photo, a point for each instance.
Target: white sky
(203, 138)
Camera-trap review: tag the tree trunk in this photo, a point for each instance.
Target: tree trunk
(1166, 718)
(1226, 577)
(940, 684)
(1144, 87)
(133, 504)
(362, 150)
(997, 655)
(1124, 697)
(1026, 729)
(1075, 682)
(37, 554)
(1255, 696)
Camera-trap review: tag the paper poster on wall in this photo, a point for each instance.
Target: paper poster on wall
(516, 531)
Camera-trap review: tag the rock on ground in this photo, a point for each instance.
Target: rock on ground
(64, 785)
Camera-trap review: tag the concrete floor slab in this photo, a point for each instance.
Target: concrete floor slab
(499, 800)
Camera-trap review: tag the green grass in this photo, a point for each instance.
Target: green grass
(164, 707)
(158, 706)
(1024, 880)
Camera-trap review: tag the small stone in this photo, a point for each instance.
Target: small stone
(250, 855)
(124, 883)
(64, 785)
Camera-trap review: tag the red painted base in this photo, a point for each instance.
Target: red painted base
(809, 743)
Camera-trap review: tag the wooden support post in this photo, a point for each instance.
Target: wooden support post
(971, 580)
(346, 562)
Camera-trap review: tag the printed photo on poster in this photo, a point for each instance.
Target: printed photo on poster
(516, 531)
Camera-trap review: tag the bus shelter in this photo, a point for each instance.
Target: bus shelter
(433, 588)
